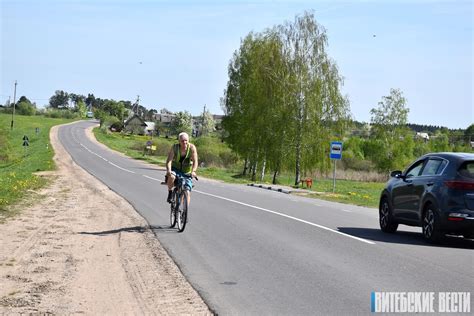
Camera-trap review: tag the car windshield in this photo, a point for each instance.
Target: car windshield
(467, 169)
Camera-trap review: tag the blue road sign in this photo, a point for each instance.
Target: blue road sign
(336, 150)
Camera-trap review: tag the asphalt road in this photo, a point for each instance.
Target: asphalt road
(250, 251)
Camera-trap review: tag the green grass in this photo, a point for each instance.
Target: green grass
(349, 192)
(134, 145)
(18, 163)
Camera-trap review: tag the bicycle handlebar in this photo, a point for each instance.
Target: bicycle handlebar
(191, 176)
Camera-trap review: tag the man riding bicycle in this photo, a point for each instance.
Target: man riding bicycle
(182, 161)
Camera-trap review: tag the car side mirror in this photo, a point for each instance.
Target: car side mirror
(396, 174)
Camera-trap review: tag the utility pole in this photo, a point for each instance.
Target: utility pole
(135, 106)
(14, 97)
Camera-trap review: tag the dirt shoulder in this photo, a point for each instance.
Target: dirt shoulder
(80, 248)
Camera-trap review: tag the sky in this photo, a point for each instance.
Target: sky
(175, 54)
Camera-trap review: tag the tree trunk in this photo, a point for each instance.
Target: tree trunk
(246, 162)
(262, 174)
(274, 177)
(299, 140)
(297, 167)
(254, 171)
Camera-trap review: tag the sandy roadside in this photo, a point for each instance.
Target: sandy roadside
(80, 248)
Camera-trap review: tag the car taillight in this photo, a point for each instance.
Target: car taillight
(460, 185)
(457, 217)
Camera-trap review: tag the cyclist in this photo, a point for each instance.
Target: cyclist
(182, 161)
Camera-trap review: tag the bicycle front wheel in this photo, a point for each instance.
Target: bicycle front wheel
(182, 215)
(173, 211)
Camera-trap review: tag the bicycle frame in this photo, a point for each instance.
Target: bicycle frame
(179, 204)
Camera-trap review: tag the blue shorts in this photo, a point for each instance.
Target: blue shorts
(188, 180)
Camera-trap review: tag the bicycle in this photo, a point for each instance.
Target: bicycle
(179, 204)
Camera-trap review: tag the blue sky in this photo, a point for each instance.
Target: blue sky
(175, 54)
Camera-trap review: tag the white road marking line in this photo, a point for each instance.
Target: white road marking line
(151, 178)
(347, 211)
(121, 167)
(105, 159)
(287, 216)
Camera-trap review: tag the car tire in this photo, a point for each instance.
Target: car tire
(387, 224)
(430, 225)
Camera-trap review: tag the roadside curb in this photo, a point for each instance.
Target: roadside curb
(269, 187)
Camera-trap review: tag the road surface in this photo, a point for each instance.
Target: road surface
(260, 252)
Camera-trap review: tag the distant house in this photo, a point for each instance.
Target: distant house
(149, 128)
(218, 120)
(422, 136)
(135, 125)
(164, 118)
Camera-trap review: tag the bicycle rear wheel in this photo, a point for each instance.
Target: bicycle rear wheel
(173, 211)
(182, 214)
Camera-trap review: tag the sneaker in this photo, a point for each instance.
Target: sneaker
(170, 197)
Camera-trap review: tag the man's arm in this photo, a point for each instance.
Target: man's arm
(169, 160)
(195, 160)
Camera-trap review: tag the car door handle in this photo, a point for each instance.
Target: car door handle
(430, 184)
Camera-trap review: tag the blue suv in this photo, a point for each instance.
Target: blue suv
(436, 192)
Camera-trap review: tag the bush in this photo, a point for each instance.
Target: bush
(25, 108)
(66, 114)
(228, 158)
(358, 164)
(116, 126)
(208, 156)
(108, 122)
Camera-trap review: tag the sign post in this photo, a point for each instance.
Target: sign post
(26, 143)
(335, 154)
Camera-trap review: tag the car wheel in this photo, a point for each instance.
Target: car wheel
(431, 231)
(387, 224)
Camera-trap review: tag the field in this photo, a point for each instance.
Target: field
(18, 163)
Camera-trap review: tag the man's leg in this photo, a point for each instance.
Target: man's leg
(170, 184)
(189, 197)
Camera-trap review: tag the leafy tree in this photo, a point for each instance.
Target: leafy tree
(90, 100)
(389, 127)
(60, 100)
(283, 90)
(25, 108)
(81, 108)
(24, 99)
(207, 122)
(183, 122)
(114, 108)
(440, 142)
(101, 115)
(469, 134)
(75, 98)
(150, 114)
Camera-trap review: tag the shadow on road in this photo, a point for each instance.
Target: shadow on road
(163, 229)
(404, 237)
(136, 229)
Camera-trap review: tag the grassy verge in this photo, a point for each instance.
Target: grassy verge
(349, 192)
(18, 163)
